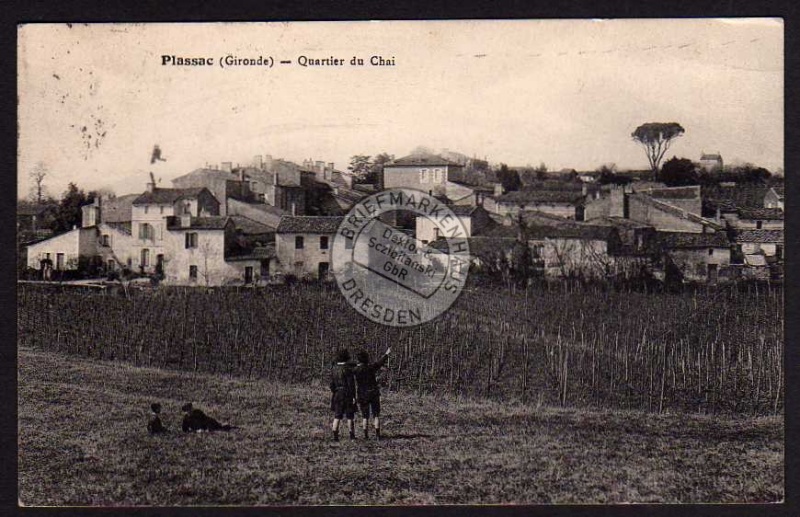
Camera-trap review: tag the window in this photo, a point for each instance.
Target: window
(424, 177)
(161, 209)
(323, 242)
(146, 231)
(437, 175)
(298, 242)
(106, 241)
(192, 272)
(145, 262)
(710, 252)
(59, 261)
(758, 225)
(191, 240)
(129, 262)
(146, 208)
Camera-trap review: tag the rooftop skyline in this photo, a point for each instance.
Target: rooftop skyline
(96, 98)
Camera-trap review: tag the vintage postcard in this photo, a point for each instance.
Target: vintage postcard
(401, 262)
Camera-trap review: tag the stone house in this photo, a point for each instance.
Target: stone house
(428, 173)
(303, 245)
(67, 251)
(473, 219)
(222, 185)
(711, 162)
(754, 218)
(564, 203)
(697, 257)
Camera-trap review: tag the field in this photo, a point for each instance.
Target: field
(715, 351)
(83, 442)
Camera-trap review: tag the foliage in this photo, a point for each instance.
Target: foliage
(509, 178)
(69, 212)
(360, 167)
(747, 173)
(608, 176)
(678, 172)
(38, 189)
(656, 138)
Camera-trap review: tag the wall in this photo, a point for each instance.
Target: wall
(771, 200)
(425, 228)
(610, 204)
(122, 246)
(73, 244)
(564, 210)
(217, 187)
(750, 248)
(643, 212)
(410, 177)
(733, 221)
(573, 257)
(311, 254)
(694, 262)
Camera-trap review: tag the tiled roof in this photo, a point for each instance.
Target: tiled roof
(541, 196)
(619, 222)
(309, 224)
(710, 157)
(759, 236)
(462, 210)
(420, 159)
(672, 240)
(767, 214)
(118, 209)
(576, 231)
(738, 196)
(257, 253)
(214, 222)
(166, 196)
(249, 226)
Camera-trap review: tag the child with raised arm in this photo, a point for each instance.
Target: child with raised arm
(368, 391)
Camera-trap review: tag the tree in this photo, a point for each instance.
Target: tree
(376, 170)
(541, 171)
(656, 138)
(38, 189)
(677, 172)
(69, 211)
(509, 178)
(360, 167)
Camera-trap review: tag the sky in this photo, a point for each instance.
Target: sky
(95, 98)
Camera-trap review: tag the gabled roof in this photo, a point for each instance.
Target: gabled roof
(462, 210)
(738, 196)
(118, 209)
(209, 174)
(619, 222)
(758, 236)
(309, 224)
(767, 214)
(214, 222)
(422, 160)
(168, 196)
(249, 226)
(685, 240)
(779, 191)
(710, 156)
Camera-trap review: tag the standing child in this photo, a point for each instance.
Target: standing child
(343, 393)
(369, 393)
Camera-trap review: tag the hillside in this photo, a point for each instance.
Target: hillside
(83, 441)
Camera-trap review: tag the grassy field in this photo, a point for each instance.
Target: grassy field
(83, 441)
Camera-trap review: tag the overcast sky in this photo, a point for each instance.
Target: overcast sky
(94, 99)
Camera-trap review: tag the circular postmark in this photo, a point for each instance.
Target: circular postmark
(394, 275)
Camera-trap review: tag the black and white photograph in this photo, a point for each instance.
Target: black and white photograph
(400, 263)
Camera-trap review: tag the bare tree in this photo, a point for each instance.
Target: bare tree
(38, 189)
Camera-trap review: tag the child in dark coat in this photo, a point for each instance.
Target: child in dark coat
(154, 426)
(197, 420)
(343, 394)
(368, 390)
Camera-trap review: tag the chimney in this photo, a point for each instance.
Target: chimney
(498, 190)
(258, 161)
(151, 186)
(583, 189)
(227, 166)
(186, 221)
(275, 178)
(320, 166)
(336, 190)
(241, 174)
